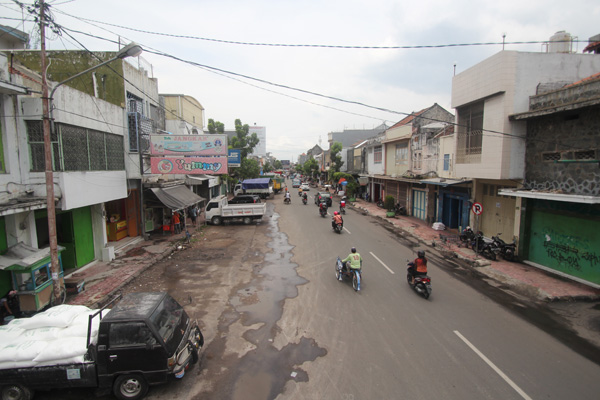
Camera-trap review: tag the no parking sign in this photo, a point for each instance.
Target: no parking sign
(477, 208)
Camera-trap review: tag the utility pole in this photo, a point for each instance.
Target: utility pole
(54, 265)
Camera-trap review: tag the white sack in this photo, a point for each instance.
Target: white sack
(72, 360)
(9, 332)
(58, 316)
(44, 334)
(64, 348)
(26, 350)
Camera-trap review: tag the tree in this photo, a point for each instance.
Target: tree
(277, 164)
(336, 159)
(311, 167)
(248, 170)
(242, 141)
(267, 167)
(215, 127)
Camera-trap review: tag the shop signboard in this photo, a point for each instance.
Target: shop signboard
(188, 145)
(216, 165)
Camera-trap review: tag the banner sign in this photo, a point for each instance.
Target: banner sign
(234, 158)
(189, 145)
(189, 165)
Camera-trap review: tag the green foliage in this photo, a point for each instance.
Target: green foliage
(310, 167)
(215, 127)
(249, 169)
(388, 202)
(242, 141)
(352, 185)
(267, 167)
(277, 164)
(335, 156)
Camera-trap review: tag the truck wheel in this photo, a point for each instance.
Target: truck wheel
(216, 220)
(247, 220)
(16, 392)
(130, 387)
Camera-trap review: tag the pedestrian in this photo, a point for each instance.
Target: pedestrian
(9, 306)
(194, 214)
(176, 221)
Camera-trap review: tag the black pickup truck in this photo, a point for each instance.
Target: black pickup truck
(142, 340)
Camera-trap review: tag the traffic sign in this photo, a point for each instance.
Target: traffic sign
(477, 208)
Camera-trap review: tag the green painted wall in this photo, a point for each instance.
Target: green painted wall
(565, 237)
(65, 64)
(84, 243)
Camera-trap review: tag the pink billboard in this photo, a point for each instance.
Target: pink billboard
(189, 165)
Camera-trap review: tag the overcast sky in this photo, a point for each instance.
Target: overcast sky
(398, 80)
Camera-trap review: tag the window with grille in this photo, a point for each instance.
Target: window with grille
(35, 138)
(585, 155)
(402, 154)
(446, 162)
(378, 156)
(76, 149)
(470, 133)
(551, 156)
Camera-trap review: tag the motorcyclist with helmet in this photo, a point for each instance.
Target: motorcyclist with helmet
(322, 205)
(353, 261)
(418, 267)
(343, 204)
(337, 219)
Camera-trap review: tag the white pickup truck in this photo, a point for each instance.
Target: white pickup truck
(218, 210)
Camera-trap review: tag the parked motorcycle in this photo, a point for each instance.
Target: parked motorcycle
(483, 246)
(304, 200)
(337, 228)
(399, 210)
(507, 250)
(468, 235)
(422, 284)
(342, 270)
(380, 203)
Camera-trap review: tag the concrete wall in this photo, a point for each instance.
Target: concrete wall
(504, 82)
(446, 147)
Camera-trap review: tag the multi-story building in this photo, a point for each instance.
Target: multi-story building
(184, 115)
(560, 195)
(490, 147)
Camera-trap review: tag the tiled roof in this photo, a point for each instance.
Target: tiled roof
(585, 80)
(409, 118)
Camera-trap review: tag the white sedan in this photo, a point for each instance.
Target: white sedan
(304, 187)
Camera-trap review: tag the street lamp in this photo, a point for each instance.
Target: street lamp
(131, 50)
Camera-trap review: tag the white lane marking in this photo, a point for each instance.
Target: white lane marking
(493, 366)
(382, 263)
(347, 230)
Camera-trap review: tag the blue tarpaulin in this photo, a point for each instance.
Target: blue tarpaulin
(257, 183)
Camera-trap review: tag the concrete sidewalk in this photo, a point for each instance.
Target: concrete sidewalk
(533, 281)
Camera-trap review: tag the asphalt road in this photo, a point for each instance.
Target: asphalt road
(278, 325)
(388, 342)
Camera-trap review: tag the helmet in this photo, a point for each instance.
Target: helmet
(335, 213)
(353, 250)
(421, 254)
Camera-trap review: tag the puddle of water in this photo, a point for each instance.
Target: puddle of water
(263, 372)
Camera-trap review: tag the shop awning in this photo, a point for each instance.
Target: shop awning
(177, 197)
(443, 181)
(535, 194)
(21, 256)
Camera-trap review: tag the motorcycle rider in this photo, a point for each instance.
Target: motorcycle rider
(304, 197)
(337, 219)
(418, 267)
(287, 196)
(353, 261)
(343, 203)
(322, 205)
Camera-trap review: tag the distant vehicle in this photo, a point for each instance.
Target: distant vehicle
(296, 183)
(218, 210)
(324, 195)
(305, 187)
(260, 186)
(245, 199)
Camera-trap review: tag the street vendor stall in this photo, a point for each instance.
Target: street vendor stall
(31, 274)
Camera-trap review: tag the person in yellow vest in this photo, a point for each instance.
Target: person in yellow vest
(353, 261)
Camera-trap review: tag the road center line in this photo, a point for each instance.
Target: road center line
(382, 263)
(347, 230)
(493, 366)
